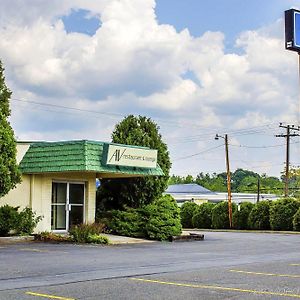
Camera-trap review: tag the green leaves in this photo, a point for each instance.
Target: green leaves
(136, 192)
(9, 172)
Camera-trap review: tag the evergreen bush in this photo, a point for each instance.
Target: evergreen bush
(164, 218)
(259, 217)
(202, 217)
(187, 211)
(220, 215)
(282, 212)
(8, 219)
(296, 221)
(130, 222)
(240, 217)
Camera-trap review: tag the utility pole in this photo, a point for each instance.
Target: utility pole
(290, 132)
(258, 189)
(228, 177)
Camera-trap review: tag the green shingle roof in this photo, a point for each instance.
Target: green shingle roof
(74, 156)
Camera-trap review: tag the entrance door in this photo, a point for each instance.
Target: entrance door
(67, 207)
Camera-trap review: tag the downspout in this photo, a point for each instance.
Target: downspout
(32, 177)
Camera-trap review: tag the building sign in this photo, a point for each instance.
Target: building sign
(292, 30)
(131, 157)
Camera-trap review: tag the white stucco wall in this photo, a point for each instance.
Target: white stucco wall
(35, 191)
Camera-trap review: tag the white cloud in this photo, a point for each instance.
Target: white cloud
(133, 64)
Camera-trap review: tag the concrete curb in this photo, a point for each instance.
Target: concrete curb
(16, 239)
(241, 231)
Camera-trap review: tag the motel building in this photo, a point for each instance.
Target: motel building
(59, 178)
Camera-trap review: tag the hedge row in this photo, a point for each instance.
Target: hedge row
(159, 220)
(283, 214)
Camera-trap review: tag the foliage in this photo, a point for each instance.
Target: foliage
(294, 182)
(187, 211)
(220, 215)
(27, 221)
(80, 233)
(97, 239)
(296, 220)
(159, 220)
(259, 217)
(130, 222)
(46, 236)
(136, 192)
(22, 222)
(164, 219)
(282, 212)
(240, 217)
(8, 219)
(9, 172)
(203, 216)
(241, 181)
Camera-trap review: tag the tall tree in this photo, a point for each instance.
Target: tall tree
(9, 172)
(135, 192)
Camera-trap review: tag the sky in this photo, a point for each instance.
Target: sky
(197, 68)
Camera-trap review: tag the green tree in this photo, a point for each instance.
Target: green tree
(136, 192)
(9, 172)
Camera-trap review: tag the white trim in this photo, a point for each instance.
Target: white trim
(67, 203)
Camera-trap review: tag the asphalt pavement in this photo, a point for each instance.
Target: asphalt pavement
(224, 266)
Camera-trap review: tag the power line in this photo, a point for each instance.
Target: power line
(198, 153)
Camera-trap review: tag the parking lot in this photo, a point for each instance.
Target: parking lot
(223, 266)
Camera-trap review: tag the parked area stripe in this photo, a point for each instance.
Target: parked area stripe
(48, 296)
(220, 288)
(266, 274)
(294, 264)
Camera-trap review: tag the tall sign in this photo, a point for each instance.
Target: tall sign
(292, 30)
(119, 155)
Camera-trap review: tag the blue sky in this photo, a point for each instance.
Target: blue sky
(197, 67)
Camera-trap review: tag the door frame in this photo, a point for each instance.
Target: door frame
(67, 182)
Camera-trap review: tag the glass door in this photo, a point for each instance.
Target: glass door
(59, 206)
(67, 207)
(76, 203)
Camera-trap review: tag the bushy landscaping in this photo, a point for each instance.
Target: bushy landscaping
(159, 220)
(17, 223)
(283, 214)
(220, 217)
(82, 233)
(202, 216)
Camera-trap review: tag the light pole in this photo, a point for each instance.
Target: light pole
(228, 177)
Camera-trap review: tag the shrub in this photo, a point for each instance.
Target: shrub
(259, 217)
(220, 216)
(164, 218)
(97, 239)
(129, 223)
(203, 215)
(80, 233)
(296, 220)
(46, 236)
(282, 212)
(8, 219)
(240, 217)
(27, 221)
(187, 211)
